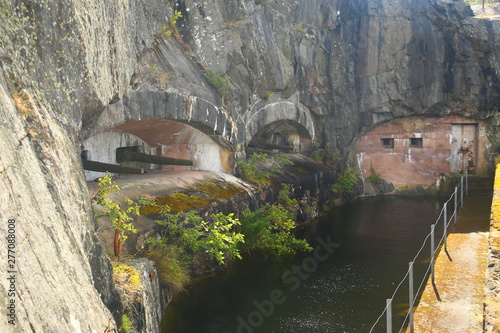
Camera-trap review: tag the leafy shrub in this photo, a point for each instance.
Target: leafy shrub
(120, 217)
(374, 177)
(189, 233)
(346, 181)
(172, 271)
(284, 196)
(127, 325)
(268, 229)
(263, 178)
(172, 21)
(327, 156)
(219, 82)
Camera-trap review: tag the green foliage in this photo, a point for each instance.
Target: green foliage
(374, 177)
(188, 233)
(284, 196)
(269, 229)
(327, 156)
(269, 94)
(172, 271)
(127, 325)
(219, 82)
(259, 2)
(346, 181)
(263, 178)
(154, 68)
(222, 241)
(120, 217)
(172, 21)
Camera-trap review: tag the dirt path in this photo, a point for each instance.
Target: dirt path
(491, 11)
(454, 303)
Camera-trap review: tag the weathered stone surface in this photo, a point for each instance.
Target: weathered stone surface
(61, 63)
(57, 254)
(353, 66)
(153, 301)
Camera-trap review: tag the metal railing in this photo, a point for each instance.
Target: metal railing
(458, 194)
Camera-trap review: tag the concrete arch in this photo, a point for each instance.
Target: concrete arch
(282, 136)
(275, 112)
(161, 137)
(148, 105)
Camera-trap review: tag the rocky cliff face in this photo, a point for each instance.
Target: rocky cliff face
(61, 63)
(337, 68)
(73, 68)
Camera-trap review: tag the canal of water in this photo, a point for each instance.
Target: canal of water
(361, 254)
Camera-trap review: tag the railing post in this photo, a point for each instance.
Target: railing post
(410, 275)
(466, 182)
(389, 315)
(461, 191)
(445, 220)
(432, 253)
(455, 206)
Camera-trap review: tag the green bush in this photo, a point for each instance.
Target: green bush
(327, 156)
(120, 216)
(127, 325)
(374, 177)
(172, 21)
(172, 270)
(284, 196)
(219, 82)
(263, 178)
(189, 234)
(346, 181)
(268, 229)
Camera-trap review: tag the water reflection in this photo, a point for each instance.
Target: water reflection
(345, 292)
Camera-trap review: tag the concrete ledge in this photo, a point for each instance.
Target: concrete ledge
(492, 290)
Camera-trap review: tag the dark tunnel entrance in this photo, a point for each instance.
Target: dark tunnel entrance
(284, 136)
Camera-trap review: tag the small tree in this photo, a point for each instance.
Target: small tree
(263, 178)
(269, 229)
(188, 233)
(346, 181)
(119, 217)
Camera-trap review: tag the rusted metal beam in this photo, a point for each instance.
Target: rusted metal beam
(113, 168)
(130, 156)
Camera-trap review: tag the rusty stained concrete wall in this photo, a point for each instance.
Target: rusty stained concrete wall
(161, 137)
(404, 165)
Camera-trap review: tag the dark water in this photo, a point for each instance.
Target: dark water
(339, 288)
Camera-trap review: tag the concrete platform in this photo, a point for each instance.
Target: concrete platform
(454, 303)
